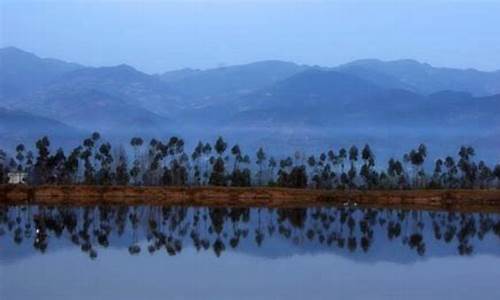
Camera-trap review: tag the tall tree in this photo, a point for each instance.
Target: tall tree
(341, 158)
(417, 158)
(42, 161)
(261, 158)
(451, 172)
(72, 165)
(56, 167)
(220, 146)
(136, 143)
(272, 165)
(20, 156)
(86, 155)
(437, 176)
(485, 175)
(207, 151)
(467, 166)
(218, 175)
(122, 176)
(105, 175)
(196, 156)
(284, 173)
(367, 172)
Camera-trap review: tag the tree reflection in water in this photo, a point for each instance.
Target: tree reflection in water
(222, 228)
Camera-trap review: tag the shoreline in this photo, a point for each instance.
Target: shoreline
(468, 200)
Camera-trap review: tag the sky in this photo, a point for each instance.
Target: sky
(156, 36)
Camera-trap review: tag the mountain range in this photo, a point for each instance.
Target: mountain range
(301, 106)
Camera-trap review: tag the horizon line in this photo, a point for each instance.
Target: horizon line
(222, 66)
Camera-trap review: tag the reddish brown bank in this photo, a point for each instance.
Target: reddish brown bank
(256, 196)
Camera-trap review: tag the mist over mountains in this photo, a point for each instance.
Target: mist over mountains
(280, 105)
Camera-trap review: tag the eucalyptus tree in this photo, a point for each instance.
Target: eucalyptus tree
(239, 177)
(396, 172)
(324, 171)
(322, 159)
(417, 158)
(366, 153)
(218, 175)
(87, 155)
(283, 173)
(122, 176)
(247, 174)
(326, 177)
(180, 168)
(20, 156)
(349, 178)
(71, 166)
(237, 157)
(155, 156)
(332, 159)
(320, 171)
(451, 172)
(311, 162)
(467, 166)
(261, 158)
(42, 161)
(422, 151)
(341, 158)
(384, 181)
(298, 177)
(220, 146)
(437, 175)
(196, 156)
(30, 161)
(178, 162)
(369, 175)
(485, 175)
(136, 143)
(96, 137)
(105, 175)
(56, 167)
(272, 165)
(207, 151)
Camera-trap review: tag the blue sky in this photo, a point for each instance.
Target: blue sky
(155, 36)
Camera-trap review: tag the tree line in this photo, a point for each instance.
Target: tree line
(168, 163)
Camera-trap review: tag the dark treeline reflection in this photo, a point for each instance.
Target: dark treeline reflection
(168, 229)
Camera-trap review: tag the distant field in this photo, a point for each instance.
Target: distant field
(272, 197)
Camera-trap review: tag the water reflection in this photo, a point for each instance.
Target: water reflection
(168, 229)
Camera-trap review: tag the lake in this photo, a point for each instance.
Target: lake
(154, 252)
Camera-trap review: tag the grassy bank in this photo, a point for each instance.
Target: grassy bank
(256, 196)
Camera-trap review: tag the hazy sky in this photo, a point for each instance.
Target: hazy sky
(155, 35)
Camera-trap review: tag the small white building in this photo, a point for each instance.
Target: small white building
(17, 177)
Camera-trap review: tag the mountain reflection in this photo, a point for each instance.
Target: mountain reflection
(155, 228)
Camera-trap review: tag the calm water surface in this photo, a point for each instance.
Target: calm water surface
(152, 252)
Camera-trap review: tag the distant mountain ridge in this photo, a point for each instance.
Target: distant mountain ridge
(22, 72)
(258, 101)
(202, 88)
(331, 98)
(423, 78)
